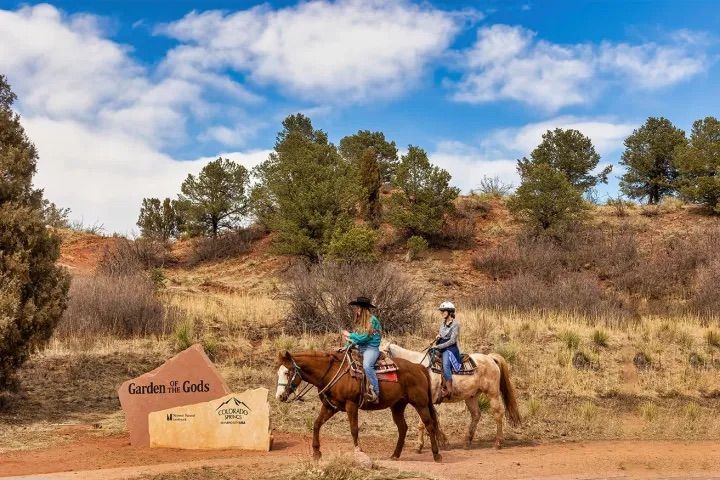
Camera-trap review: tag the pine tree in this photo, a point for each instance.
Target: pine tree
(546, 201)
(304, 194)
(159, 220)
(215, 200)
(369, 179)
(354, 146)
(571, 153)
(33, 289)
(424, 195)
(648, 157)
(698, 164)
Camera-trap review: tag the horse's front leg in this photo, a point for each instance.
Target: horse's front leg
(474, 408)
(324, 415)
(352, 412)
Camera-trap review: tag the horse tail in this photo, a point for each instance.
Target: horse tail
(507, 390)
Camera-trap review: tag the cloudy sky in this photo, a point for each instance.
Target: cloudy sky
(125, 98)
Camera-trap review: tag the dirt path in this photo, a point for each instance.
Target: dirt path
(111, 458)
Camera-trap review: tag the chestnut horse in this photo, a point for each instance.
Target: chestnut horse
(339, 391)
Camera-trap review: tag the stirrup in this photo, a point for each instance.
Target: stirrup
(371, 395)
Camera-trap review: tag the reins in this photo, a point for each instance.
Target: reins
(297, 371)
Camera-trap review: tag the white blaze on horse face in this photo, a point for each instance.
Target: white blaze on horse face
(283, 379)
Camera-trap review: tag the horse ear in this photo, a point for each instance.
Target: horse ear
(283, 356)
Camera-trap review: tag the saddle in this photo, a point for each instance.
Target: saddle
(385, 367)
(468, 364)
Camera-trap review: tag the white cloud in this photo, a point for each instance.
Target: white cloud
(510, 63)
(348, 50)
(100, 120)
(497, 154)
(607, 136)
(468, 165)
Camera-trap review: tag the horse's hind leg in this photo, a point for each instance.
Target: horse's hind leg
(324, 415)
(472, 405)
(398, 413)
(430, 422)
(421, 437)
(498, 410)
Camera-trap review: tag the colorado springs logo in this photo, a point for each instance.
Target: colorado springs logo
(233, 410)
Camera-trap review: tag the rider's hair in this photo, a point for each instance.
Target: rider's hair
(363, 318)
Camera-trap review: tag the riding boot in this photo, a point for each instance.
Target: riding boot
(371, 395)
(448, 389)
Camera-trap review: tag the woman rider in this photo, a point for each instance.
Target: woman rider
(367, 339)
(446, 343)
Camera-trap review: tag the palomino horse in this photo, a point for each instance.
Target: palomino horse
(338, 391)
(492, 377)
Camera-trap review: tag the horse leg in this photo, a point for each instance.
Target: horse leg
(430, 421)
(352, 412)
(472, 405)
(324, 415)
(498, 411)
(421, 437)
(398, 413)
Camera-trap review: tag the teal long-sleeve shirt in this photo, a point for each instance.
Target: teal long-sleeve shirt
(373, 338)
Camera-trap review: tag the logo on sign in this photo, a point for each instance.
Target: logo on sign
(233, 411)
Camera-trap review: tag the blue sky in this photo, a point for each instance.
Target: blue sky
(125, 98)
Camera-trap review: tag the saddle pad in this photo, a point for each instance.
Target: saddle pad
(385, 367)
(468, 364)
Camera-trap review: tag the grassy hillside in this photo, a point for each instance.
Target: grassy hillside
(638, 363)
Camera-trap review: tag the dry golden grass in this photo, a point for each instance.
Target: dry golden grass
(673, 398)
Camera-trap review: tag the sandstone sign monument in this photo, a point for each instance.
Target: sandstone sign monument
(187, 378)
(237, 420)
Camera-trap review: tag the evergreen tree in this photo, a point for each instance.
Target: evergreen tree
(424, 195)
(698, 164)
(648, 157)
(33, 289)
(214, 200)
(354, 146)
(370, 181)
(159, 220)
(304, 194)
(546, 201)
(571, 153)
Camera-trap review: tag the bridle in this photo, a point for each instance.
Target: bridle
(291, 388)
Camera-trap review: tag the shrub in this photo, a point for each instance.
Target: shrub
(577, 293)
(227, 245)
(416, 246)
(33, 288)
(319, 294)
(533, 406)
(493, 187)
(599, 338)
(546, 202)
(712, 338)
(126, 257)
(705, 297)
(455, 232)
(123, 306)
(356, 244)
(570, 339)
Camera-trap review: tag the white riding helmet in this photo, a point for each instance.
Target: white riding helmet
(447, 307)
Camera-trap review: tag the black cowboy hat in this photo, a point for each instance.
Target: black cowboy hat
(362, 302)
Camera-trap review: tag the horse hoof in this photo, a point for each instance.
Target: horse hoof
(468, 445)
(498, 446)
(317, 456)
(418, 450)
(394, 458)
(437, 457)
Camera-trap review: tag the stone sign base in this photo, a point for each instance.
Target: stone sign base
(237, 420)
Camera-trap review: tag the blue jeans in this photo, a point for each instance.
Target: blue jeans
(370, 356)
(448, 363)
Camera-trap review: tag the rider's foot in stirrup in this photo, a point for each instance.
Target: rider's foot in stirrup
(371, 396)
